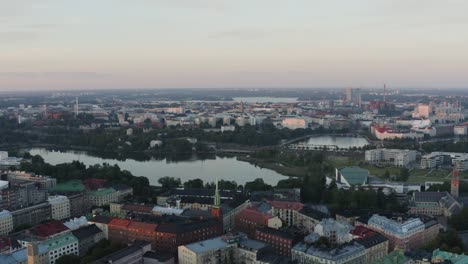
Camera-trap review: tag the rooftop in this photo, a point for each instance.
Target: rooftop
(102, 192)
(354, 175)
(48, 229)
(208, 245)
(86, 231)
(69, 186)
(60, 241)
(334, 254)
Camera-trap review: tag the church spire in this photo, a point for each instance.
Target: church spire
(217, 199)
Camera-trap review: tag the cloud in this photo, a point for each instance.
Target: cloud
(81, 75)
(239, 34)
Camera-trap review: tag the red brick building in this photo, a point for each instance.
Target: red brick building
(281, 241)
(251, 219)
(165, 233)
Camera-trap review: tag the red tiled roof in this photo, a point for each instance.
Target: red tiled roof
(362, 232)
(48, 229)
(253, 215)
(119, 222)
(295, 206)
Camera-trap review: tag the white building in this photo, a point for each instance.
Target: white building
(336, 232)
(60, 207)
(461, 130)
(224, 249)
(66, 244)
(211, 251)
(6, 222)
(227, 128)
(436, 159)
(395, 157)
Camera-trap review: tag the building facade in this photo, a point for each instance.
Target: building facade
(6, 222)
(60, 206)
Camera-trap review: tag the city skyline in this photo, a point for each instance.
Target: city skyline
(60, 45)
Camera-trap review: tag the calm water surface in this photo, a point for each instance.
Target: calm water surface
(226, 168)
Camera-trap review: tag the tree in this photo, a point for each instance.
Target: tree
(290, 183)
(68, 259)
(168, 183)
(196, 183)
(404, 174)
(386, 174)
(257, 185)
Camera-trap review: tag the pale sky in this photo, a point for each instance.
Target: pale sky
(91, 44)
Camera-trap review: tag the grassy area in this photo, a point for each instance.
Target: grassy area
(416, 175)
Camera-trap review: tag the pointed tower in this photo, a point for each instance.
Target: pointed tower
(216, 210)
(455, 184)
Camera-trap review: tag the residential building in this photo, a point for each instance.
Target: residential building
(44, 182)
(286, 211)
(281, 241)
(230, 248)
(6, 222)
(212, 251)
(102, 197)
(406, 234)
(253, 218)
(32, 215)
(87, 237)
(60, 245)
(33, 253)
(375, 244)
(335, 231)
(60, 206)
(133, 254)
(350, 253)
(308, 218)
(79, 205)
(102, 222)
(393, 157)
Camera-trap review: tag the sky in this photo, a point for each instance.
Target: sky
(99, 44)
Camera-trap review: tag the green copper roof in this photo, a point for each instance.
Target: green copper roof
(355, 175)
(453, 258)
(70, 186)
(60, 241)
(396, 257)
